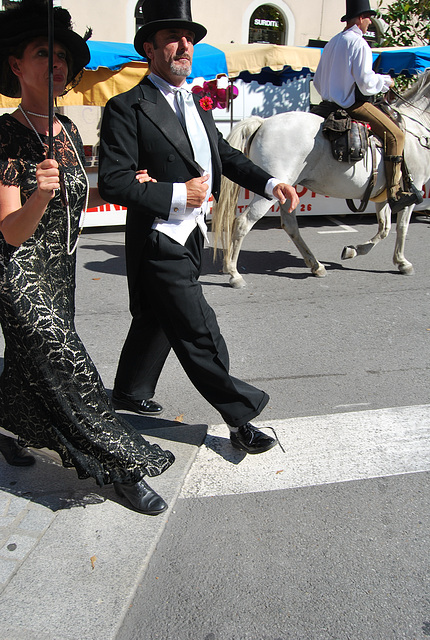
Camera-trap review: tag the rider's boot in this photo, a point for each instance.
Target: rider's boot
(398, 198)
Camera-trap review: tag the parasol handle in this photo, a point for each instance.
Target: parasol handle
(51, 79)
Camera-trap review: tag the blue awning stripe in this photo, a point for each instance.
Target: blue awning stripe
(208, 61)
(410, 60)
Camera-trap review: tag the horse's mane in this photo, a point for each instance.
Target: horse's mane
(416, 97)
(420, 86)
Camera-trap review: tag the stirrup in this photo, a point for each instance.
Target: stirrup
(406, 199)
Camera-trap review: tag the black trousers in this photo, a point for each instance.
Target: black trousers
(175, 314)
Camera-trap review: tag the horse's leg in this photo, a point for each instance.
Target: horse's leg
(290, 225)
(403, 218)
(383, 214)
(241, 226)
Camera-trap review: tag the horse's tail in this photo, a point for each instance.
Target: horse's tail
(224, 211)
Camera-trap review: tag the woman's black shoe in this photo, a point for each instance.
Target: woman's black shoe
(14, 454)
(141, 497)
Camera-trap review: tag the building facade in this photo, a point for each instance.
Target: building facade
(243, 21)
(294, 23)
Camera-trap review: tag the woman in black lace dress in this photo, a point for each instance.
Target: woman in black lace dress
(50, 392)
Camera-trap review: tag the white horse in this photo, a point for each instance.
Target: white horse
(292, 147)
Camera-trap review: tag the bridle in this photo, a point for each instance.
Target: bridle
(423, 140)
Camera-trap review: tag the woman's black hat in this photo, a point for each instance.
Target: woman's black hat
(28, 19)
(166, 14)
(355, 8)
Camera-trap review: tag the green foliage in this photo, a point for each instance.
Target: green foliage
(408, 25)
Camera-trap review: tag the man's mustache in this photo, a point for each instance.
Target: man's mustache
(181, 57)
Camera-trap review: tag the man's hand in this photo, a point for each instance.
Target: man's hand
(196, 191)
(284, 192)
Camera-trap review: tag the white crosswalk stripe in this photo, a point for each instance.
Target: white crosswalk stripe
(343, 228)
(318, 450)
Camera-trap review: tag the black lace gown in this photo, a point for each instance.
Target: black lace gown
(51, 394)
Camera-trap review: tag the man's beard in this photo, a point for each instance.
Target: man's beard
(181, 68)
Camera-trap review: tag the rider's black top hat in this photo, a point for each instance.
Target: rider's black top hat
(355, 8)
(166, 14)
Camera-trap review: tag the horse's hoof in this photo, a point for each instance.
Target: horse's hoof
(320, 272)
(237, 282)
(348, 252)
(407, 269)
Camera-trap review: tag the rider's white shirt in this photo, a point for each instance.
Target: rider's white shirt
(347, 60)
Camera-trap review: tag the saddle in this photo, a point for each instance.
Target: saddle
(349, 138)
(350, 141)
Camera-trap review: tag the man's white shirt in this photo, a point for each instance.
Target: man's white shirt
(182, 219)
(346, 61)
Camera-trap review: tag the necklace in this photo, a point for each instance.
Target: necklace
(38, 115)
(87, 190)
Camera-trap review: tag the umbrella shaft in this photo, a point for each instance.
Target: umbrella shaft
(51, 79)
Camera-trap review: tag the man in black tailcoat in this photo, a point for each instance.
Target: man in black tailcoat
(154, 127)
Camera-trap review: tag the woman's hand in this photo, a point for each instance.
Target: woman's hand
(96, 200)
(142, 176)
(48, 179)
(19, 221)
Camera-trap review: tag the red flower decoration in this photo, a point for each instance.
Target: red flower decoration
(206, 103)
(213, 98)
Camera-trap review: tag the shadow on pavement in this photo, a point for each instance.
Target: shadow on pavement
(51, 485)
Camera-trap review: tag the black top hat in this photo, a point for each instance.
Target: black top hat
(355, 8)
(28, 19)
(165, 14)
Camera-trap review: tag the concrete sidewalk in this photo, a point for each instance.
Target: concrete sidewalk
(71, 554)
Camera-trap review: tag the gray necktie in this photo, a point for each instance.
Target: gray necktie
(195, 129)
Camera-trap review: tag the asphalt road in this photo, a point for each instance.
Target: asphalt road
(356, 339)
(343, 558)
(327, 540)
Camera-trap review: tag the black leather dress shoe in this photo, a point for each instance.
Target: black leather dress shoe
(251, 440)
(14, 454)
(141, 497)
(144, 407)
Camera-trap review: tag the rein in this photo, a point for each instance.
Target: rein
(410, 104)
(423, 140)
(405, 115)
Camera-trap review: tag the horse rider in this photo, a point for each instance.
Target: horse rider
(345, 77)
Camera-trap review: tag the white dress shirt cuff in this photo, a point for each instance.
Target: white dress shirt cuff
(270, 185)
(179, 202)
(387, 83)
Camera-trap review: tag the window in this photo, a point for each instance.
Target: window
(138, 14)
(267, 25)
(6, 3)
